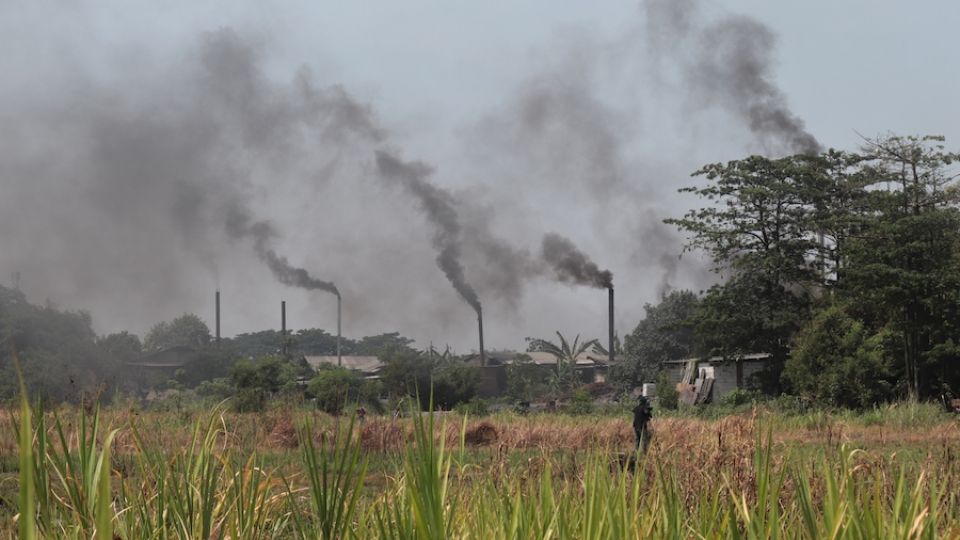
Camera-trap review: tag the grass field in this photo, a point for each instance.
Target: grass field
(290, 473)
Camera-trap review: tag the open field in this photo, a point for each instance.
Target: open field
(286, 473)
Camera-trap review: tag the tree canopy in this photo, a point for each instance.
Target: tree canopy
(870, 238)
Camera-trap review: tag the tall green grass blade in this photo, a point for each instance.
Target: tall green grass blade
(27, 521)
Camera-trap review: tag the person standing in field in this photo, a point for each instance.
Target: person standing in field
(642, 414)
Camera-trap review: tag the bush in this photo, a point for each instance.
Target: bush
(667, 396)
(475, 407)
(836, 362)
(454, 383)
(260, 380)
(334, 389)
(250, 400)
(580, 403)
(218, 389)
(739, 397)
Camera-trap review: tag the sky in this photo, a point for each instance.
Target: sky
(142, 141)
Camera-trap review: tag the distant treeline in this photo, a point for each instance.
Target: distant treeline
(63, 359)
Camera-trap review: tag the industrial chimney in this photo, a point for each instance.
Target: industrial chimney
(339, 358)
(483, 353)
(610, 342)
(283, 327)
(217, 303)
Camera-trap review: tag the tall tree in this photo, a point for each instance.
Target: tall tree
(759, 226)
(903, 264)
(187, 330)
(758, 218)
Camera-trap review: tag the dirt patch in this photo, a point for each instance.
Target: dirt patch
(482, 434)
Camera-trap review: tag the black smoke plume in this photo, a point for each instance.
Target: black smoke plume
(262, 233)
(732, 65)
(571, 265)
(440, 208)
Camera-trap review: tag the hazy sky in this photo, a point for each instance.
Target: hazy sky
(130, 128)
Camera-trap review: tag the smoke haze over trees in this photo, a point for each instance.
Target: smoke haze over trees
(125, 161)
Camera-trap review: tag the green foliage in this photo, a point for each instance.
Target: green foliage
(667, 395)
(257, 381)
(336, 475)
(738, 397)
(474, 407)
(878, 229)
(187, 330)
(526, 381)
(61, 357)
(453, 383)
(413, 374)
(581, 402)
(336, 388)
(747, 314)
(836, 362)
(406, 373)
(664, 334)
(218, 389)
(566, 353)
(385, 345)
(79, 486)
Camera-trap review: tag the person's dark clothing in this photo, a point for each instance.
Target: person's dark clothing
(642, 414)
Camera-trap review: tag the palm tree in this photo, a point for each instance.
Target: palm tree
(566, 353)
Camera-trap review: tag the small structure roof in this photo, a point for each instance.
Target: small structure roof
(540, 358)
(750, 357)
(171, 357)
(365, 364)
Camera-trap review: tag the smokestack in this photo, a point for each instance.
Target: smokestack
(217, 303)
(610, 347)
(339, 358)
(483, 353)
(283, 326)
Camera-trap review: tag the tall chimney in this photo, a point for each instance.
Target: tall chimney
(339, 358)
(483, 353)
(610, 346)
(283, 326)
(217, 303)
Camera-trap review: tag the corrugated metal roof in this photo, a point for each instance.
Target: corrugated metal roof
(366, 364)
(545, 358)
(720, 359)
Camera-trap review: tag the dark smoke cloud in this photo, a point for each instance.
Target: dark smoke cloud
(121, 186)
(239, 226)
(124, 188)
(571, 265)
(440, 209)
(730, 65)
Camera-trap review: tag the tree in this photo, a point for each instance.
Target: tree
(187, 330)
(566, 354)
(122, 346)
(525, 380)
(903, 266)
(262, 379)
(406, 373)
(58, 352)
(335, 388)
(759, 225)
(879, 230)
(453, 383)
(384, 345)
(666, 333)
(758, 217)
(836, 362)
